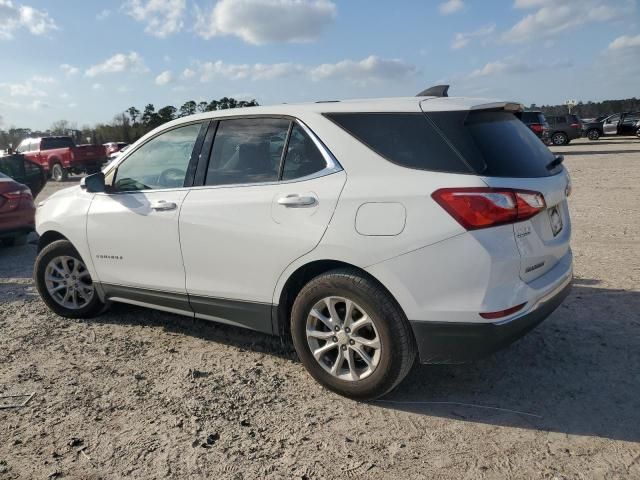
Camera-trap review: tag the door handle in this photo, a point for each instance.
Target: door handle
(163, 205)
(296, 200)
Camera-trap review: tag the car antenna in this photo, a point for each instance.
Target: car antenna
(435, 91)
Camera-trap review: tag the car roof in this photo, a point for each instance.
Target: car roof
(394, 104)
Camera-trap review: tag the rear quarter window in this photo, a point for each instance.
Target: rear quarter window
(406, 139)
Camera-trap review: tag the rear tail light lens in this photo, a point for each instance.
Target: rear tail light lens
(537, 127)
(576, 125)
(18, 194)
(476, 208)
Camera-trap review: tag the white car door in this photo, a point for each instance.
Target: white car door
(269, 193)
(133, 228)
(610, 125)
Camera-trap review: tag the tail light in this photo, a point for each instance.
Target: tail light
(537, 127)
(576, 125)
(11, 200)
(481, 207)
(18, 194)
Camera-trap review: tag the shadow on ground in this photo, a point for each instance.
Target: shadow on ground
(577, 373)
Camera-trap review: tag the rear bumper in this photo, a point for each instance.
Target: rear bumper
(454, 342)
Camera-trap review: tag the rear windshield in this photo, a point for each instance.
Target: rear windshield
(493, 143)
(59, 142)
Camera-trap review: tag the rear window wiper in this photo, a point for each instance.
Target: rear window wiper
(558, 159)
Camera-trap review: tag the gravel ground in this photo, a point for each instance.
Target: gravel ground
(143, 394)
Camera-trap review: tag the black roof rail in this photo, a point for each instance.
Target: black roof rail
(328, 101)
(435, 91)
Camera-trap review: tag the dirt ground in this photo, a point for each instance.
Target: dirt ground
(143, 394)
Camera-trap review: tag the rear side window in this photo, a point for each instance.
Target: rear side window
(52, 143)
(489, 143)
(247, 151)
(407, 139)
(303, 157)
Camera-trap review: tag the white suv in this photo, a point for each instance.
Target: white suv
(367, 231)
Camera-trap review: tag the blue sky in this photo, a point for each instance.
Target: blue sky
(87, 61)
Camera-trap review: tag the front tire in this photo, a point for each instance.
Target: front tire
(593, 134)
(351, 335)
(64, 283)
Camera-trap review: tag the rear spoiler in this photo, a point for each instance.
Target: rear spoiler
(507, 106)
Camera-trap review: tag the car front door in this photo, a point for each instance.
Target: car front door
(263, 203)
(610, 125)
(132, 228)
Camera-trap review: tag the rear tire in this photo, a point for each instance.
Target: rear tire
(64, 282)
(58, 173)
(559, 138)
(593, 134)
(366, 362)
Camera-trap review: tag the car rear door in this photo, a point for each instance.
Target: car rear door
(132, 228)
(263, 203)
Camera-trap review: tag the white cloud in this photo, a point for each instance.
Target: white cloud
(42, 79)
(97, 86)
(450, 6)
(69, 70)
(104, 14)
(15, 17)
(164, 78)
(553, 17)
(266, 21)
(25, 89)
(64, 95)
(371, 68)
(120, 62)
(461, 40)
(625, 42)
(511, 66)
(258, 71)
(72, 105)
(38, 105)
(162, 17)
(188, 73)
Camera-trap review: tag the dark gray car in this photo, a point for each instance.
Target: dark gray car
(563, 128)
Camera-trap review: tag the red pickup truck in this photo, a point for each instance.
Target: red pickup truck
(59, 156)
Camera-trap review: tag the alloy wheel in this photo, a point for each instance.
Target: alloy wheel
(68, 282)
(343, 338)
(559, 139)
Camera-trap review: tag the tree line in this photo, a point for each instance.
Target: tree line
(592, 109)
(127, 126)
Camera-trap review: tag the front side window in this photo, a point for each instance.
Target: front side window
(160, 163)
(303, 157)
(247, 151)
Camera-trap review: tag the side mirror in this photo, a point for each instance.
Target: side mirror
(93, 183)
